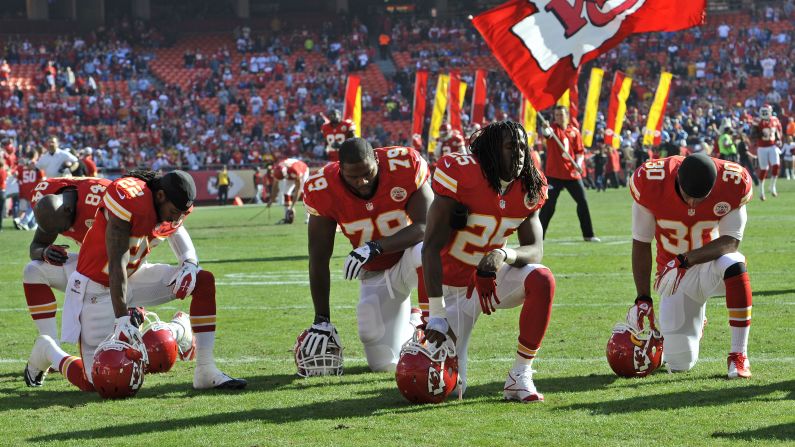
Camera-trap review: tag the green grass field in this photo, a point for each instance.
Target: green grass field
(264, 303)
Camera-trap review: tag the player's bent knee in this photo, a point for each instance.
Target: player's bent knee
(540, 283)
(33, 274)
(736, 269)
(380, 358)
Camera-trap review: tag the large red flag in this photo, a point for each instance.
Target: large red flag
(420, 99)
(454, 101)
(541, 43)
(479, 97)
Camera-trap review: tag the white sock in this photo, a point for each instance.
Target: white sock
(522, 362)
(762, 186)
(740, 339)
(47, 326)
(773, 186)
(205, 343)
(55, 354)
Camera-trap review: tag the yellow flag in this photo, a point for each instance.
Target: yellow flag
(592, 106)
(529, 114)
(565, 100)
(439, 111)
(651, 134)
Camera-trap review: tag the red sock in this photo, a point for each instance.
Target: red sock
(422, 296)
(739, 300)
(537, 309)
(71, 367)
(202, 304)
(762, 174)
(774, 171)
(41, 301)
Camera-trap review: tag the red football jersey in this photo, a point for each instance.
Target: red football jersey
(129, 199)
(402, 171)
(492, 216)
(337, 134)
(89, 195)
(453, 143)
(28, 178)
(678, 228)
(294, 168)
(557, 166)
(769, 132)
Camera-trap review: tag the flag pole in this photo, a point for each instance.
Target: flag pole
(565, 153)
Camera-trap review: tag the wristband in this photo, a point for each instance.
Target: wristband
(644, 298)
(321, 319)
(683, 262)
(436, 307)
(375, 248)
(510, 255)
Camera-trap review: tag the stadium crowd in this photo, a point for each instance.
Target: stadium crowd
(262, 94)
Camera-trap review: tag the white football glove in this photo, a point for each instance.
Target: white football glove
(184, 281)
(125, 329)
(547, 132)
(438, 324)
(320, 336)
(358, 258)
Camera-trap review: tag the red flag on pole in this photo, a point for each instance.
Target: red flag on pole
(420, 100)
(542, 43)
(479, 97)
(454, 102)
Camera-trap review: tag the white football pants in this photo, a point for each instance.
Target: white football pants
(462, 313)
(682, 314)
(384, 310)
(148, 286)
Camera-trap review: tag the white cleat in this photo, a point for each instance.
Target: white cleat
(38, 365)
(592, 239)
(774, 192)
(519, 386)
(762, 196)
(739, 366)
(210, 377)
(183, 334)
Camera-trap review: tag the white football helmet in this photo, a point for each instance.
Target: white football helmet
(319, 360)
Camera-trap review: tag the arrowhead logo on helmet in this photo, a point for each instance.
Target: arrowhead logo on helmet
(119, 363)
(634, 354)
(425, 373)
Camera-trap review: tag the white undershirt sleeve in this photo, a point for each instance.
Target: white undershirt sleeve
(733, 224)
(182, 246)
(643, 223)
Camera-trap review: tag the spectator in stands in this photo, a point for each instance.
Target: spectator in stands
(3, 179)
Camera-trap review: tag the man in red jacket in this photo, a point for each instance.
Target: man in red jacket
(562, 172)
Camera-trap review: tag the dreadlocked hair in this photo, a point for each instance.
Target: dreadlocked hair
(149, 176)
(486, 145)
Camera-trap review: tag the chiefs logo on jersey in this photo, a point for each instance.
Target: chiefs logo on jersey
(398, 194)
(548, 33)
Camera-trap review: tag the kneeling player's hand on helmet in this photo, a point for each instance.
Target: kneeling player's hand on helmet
(358, 258)
(55, 255)
(643, 308)
(320, 336)
(485, 283)
(184, 281)
(436, 330)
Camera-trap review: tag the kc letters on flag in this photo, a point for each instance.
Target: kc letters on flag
(542, 43)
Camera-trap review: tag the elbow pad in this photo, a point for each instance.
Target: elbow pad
(458, 219)
(182, 246)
